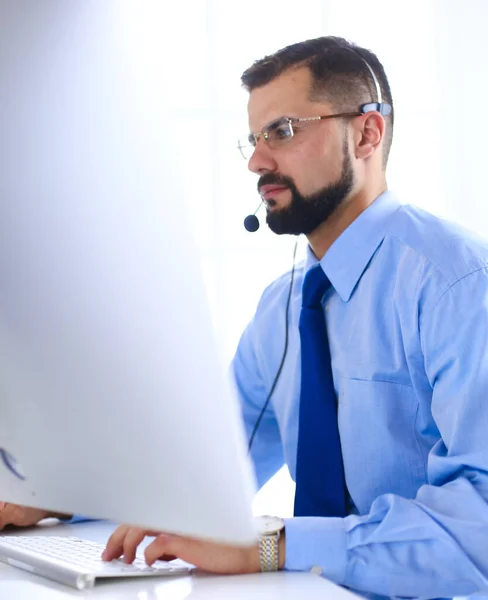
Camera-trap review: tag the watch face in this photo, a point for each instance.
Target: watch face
(269, 525)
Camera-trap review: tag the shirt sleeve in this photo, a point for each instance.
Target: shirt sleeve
(266, 449)
(434, 545)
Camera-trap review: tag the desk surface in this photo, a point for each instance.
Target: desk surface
(18, 584)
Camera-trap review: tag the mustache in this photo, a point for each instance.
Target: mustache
(276, 179)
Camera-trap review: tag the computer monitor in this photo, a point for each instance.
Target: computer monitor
(113, 399)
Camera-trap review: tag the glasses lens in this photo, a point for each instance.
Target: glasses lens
(276, 134)
(279, 132)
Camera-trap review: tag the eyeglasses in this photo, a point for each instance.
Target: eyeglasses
(280, 132)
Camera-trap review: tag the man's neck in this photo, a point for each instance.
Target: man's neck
(322, 238)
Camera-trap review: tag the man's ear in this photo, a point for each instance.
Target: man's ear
(368, 134)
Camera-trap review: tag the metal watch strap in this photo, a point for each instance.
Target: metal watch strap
(268, 552)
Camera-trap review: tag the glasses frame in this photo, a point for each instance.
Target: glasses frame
(383, 108)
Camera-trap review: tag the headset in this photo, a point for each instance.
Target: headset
(251, 224)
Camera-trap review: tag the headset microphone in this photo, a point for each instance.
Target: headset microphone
(251, 222)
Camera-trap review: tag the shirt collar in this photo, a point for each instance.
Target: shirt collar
(346, 260)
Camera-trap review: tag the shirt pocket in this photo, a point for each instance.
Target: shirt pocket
(380, 444)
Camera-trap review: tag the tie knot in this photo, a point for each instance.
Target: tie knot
(314, 287)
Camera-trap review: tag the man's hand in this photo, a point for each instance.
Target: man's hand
(209, 556)
(22, 516)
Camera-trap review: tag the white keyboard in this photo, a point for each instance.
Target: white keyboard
(73, 561)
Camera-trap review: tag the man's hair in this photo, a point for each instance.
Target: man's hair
(340, 75)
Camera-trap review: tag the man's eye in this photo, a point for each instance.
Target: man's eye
(282, 132)
(251, 139)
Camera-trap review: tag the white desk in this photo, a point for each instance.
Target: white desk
(16, 584)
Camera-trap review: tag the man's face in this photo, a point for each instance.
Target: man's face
(304, 180)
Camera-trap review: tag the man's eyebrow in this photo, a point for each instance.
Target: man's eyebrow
(273, 123)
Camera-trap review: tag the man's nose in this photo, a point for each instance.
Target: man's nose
(262, 160)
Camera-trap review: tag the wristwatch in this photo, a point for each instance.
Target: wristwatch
(269, 530)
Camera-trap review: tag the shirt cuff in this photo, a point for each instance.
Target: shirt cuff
(76, 519)
(316, 542)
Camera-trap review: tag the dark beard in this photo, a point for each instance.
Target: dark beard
(305, 213)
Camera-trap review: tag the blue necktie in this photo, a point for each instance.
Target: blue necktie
(320, 485)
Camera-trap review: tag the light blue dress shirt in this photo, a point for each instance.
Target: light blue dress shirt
(407, 320)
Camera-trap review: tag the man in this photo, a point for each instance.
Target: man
(392, 475)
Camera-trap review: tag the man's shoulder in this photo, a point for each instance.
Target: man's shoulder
(442, 245)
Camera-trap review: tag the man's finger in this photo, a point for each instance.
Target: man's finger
(132, 539)
(115, 544)
(160, 548)
(167, 557)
